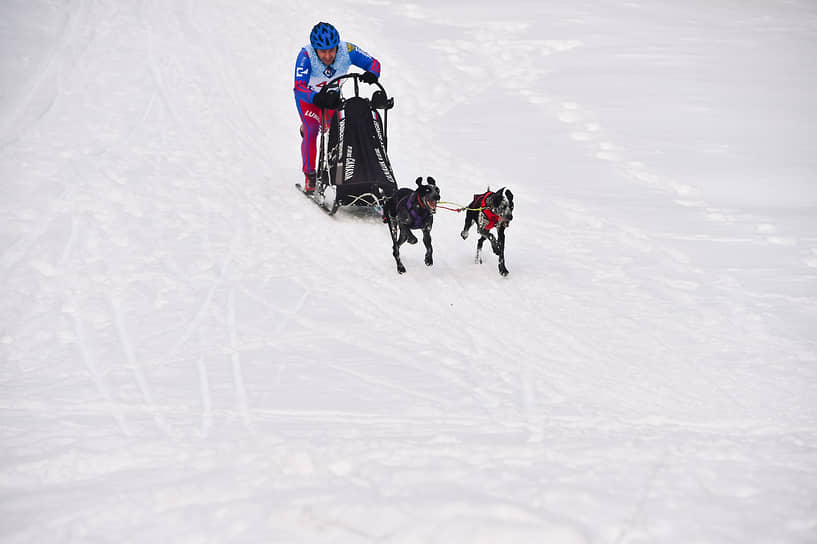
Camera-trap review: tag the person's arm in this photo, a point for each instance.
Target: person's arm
(362, 59)
(303, 70)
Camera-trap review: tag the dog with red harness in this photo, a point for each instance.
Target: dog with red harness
(488, 210)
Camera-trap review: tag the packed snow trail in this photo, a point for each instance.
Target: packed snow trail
(190, 352)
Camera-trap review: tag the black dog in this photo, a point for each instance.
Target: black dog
(490, 210)
(407, 210)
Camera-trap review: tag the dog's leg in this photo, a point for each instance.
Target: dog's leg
(487, 235)
(391, 222)
(427, 242)
(410, 238)
(484, 235)
(395, 231)
(495, 244)
(470, 216)
(398, 241)
(393, 227)
(478, 257)
(500, 233)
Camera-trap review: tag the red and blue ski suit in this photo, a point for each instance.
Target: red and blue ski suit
(310, 75)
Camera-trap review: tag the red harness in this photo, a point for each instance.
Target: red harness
(493, 218)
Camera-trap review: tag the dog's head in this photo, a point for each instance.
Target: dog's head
(501, 203)
(428, 194)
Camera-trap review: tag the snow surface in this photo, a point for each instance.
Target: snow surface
(191, 352)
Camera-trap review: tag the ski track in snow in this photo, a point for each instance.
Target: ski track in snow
(191, 352)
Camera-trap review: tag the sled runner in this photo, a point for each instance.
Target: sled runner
(353, 167)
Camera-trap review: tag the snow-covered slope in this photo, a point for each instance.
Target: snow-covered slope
(191, 352)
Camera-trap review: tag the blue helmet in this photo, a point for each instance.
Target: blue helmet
(324, 36)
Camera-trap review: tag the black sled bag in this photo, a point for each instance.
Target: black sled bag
(358, 164)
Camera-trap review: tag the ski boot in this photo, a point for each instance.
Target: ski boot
(309, 183)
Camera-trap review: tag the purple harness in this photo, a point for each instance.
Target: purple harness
(418, 216)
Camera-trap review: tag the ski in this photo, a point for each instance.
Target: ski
(301, 189)
(319, 204)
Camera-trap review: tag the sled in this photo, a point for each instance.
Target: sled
(353, 165)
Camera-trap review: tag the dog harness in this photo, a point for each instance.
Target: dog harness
(417, 215)
(493, 218)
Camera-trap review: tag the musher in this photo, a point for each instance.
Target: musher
(325, 58)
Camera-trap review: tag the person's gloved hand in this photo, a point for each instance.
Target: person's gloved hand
(327, 99)
(368, 77)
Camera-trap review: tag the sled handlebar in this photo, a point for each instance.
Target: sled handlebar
(380, 99)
